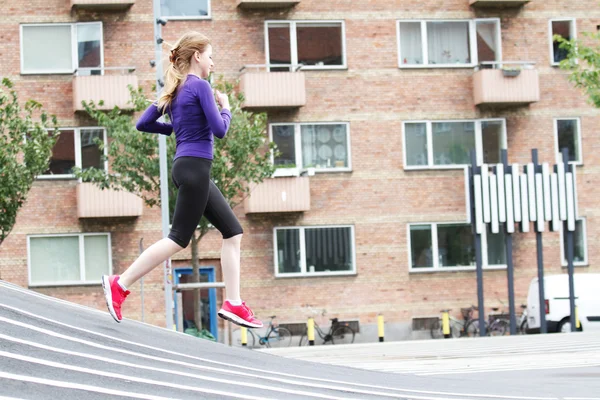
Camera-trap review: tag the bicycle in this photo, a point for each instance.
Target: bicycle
(522, 323)
(457, 328)
(496, 325)
(275, 336)
(339, 333)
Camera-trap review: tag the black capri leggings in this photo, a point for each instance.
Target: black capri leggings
(198, 196)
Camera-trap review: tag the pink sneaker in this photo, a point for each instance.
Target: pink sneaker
(239, 315)
(114, 295)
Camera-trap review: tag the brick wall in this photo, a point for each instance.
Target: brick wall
(378, 197)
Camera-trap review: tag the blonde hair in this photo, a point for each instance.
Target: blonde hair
(180, 60)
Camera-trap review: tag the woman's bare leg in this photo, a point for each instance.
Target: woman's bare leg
(230, 263)
(148, 260)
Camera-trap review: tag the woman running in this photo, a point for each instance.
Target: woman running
(189, 101)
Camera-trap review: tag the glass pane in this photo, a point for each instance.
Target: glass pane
(91, 155)
(416, 143)
(411, 43)
(492, 140)
(96, 257)
(319, 44)
(496, 246)
(54, 259)
(283, 136)
(279, 46)
(47, 48)
(568, 137)
(487, 41)
(183, 8)
(562, 28)
(89, 42)
(578, 243)
(288, 250)
(328, 249)
(324, 146)
(420, 246)
(455, 244)
(63, 154)
(448, 42)
(452, 142)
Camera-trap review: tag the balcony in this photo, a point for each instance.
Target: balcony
(262, 89)
(498, 3)
(102, 5)
(111, 88)
(506, 83)
(257, 4)
(279, 195)
(93, 202)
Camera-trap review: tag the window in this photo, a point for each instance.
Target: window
(323, 146)
(185, 9)
(315, 45)
(451, 246)
(567, 133)
(579, 244)
(447, 144)
(69, 259)
(61, 48)
(76, 147)
(564, 27)
(456, 43)
(308, 251)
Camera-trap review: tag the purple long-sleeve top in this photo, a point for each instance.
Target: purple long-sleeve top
(195, 119)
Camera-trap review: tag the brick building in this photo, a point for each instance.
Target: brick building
(389, 99)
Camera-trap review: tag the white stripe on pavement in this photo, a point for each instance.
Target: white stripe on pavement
(261, 375)
(125, 378)
(78, 386)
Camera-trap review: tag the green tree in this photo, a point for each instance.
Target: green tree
(241, 158)
(27, 135)
(583, 60)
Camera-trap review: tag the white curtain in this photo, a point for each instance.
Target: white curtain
(54, 259)
(180, 8)
(448, 42)
(47, 48)
(486, 32)
(411, 51)
(96, 256)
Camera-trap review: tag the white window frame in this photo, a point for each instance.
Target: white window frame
(435, 251)
(303, 268)
(74, 55)
(82, 281)
(579, 145)
(186, 17)
(294, 43)
(563, 251)
(429, 130)
(77, 136)
(298, 145)
(573, 29)
(472, 42)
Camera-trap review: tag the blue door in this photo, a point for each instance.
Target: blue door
(208, 299)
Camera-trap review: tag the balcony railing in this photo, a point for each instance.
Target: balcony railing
(279, 195)
(262, 89)
(506, 83)
(249, 4)
(102, 5)
(92, 84)
(498, 3)
(93, 202)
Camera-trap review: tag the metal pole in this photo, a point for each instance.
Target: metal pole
(509, 260)
(570, 251)
(142, 279)
(162, 152)
(540, 258)
(474, 170)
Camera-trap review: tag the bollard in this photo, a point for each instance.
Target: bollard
(310, 327)
(244, 335)
(446, 324)
(577, 322)
(380, 328)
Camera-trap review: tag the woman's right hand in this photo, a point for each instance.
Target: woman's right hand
(222, 99)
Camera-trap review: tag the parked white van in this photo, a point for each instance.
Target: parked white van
(556, 292)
